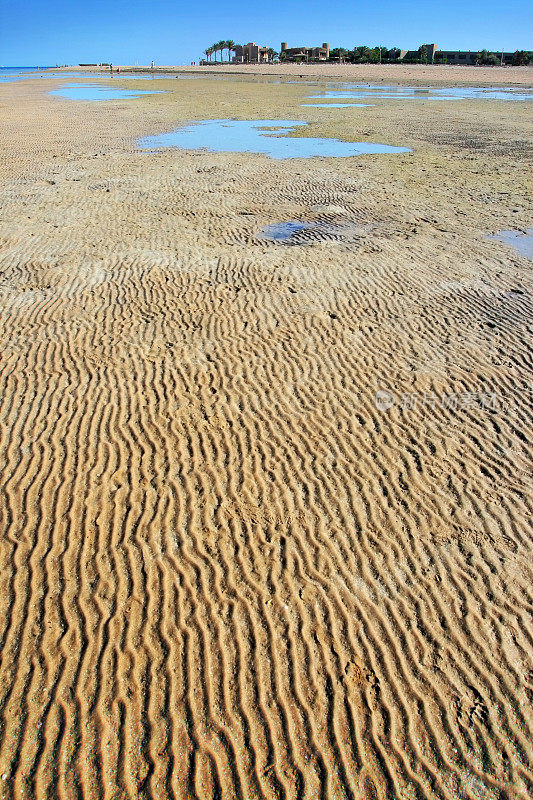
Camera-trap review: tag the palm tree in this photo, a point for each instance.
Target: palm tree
(219, 46)
(207, 52)
(272, 54)
(230, 44)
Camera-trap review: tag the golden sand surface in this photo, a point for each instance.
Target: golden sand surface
(416, 74)
(225, 572)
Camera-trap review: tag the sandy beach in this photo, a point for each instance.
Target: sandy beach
(228, 571)
(414, 74)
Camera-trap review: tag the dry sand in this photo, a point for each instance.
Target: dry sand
(225, 572)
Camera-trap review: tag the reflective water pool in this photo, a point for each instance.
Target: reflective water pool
(260, 136)
(361, 92)
(337, 105)
(82, 91)
(282, 231)
(136, 76)
(302, 233)
(522, 242)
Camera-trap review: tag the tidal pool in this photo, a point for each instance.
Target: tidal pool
(81, 91)
(522, 242)
(282, 231)
(142, 76)
(356, 92)
(299, 233)
(260, 136)
(337, 105)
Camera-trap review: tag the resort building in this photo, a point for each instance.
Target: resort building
(250, 53)
(304, 53)
(431, 50)
(463, 57)
(468, 57)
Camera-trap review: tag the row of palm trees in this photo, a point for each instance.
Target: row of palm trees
(219, 47)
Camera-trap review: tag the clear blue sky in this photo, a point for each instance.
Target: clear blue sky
(40, 32)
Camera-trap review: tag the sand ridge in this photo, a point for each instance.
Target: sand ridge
(227, 573)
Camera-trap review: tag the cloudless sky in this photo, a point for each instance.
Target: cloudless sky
(46, 32)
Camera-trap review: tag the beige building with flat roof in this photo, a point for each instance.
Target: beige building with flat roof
(250, 53)
(304, 53)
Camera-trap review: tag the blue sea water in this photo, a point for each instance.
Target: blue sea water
(8, 74)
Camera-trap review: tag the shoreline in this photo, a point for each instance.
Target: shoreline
(414, 74)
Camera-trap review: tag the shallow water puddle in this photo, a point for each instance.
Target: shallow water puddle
(424, 93)
(345, 94)
(137, 76)
(294, 232)
(260, 136)
(282, 231)
(337, 105)
(522, 242)
(81, 91)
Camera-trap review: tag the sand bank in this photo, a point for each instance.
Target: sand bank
(415, 74)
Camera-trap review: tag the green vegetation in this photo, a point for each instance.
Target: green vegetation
(484, 58)
(230, 44)
(219, 47)
(522, 58)
(363, 54)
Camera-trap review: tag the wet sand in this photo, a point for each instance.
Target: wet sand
(415, 74)
(226, 572)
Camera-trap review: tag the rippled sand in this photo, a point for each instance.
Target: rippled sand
(226, 573)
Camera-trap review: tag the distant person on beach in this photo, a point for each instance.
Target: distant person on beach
(152, 64)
